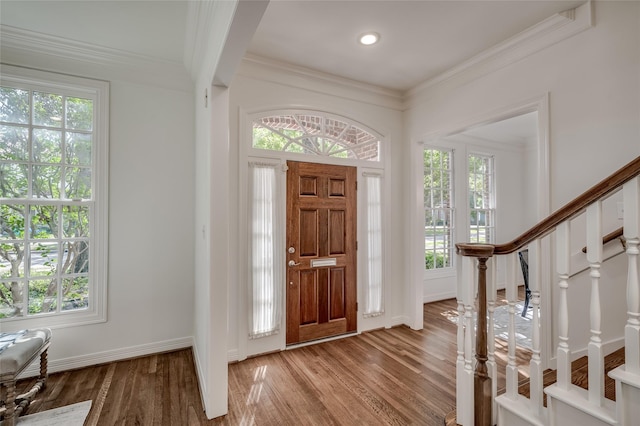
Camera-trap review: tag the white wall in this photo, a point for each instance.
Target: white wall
(258, 88)
(150, 266)
(593, 81)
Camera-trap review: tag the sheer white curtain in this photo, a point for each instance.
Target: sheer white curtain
(265, 277)
(374, 304)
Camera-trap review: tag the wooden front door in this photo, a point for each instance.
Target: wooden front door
(321, 243)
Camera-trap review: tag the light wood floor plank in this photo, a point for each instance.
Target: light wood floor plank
(397, 376)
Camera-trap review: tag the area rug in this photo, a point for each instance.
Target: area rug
(501, 324)
(523, 325)
(69, 415)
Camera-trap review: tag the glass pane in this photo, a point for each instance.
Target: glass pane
(294, 147)
(75, 293)
(14, 105)
(78, 183)
(14, 143)
(47, 109)
(44, 222)
(12, 260)
(13, 181)
(43, 296)
(75, 221)
(11, 221)
(75, 257)
(47, 146)
(11, 299)
(79, 114)
(266, 139)
(310, 145)
(79, 149)
(334, 128)
(44, 259)
(46, 181)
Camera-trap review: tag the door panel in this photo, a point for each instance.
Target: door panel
(321, 237)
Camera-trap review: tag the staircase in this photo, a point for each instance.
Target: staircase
(478, 401)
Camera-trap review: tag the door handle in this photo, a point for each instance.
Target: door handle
(293, 263)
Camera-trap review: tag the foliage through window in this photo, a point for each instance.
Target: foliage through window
(481, 199)
(48, 198)
(308, 133)
(438, 208)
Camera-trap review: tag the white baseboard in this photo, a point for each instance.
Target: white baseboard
(202, 383)
(233, 355)
(72, 363)
(428, 298)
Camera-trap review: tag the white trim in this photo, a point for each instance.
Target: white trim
(548, 32)
(112, 355)
(22, 47)
(98, 91)
(543, 194)
(289, 75)
(435, 297)
(277, 342)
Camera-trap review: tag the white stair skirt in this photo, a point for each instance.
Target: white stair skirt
(571, 406)
(627, 395)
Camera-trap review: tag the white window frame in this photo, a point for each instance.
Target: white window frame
(491, 210)
(447, 270)
(98, 91)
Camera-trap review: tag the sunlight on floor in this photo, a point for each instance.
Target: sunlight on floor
(248, 418)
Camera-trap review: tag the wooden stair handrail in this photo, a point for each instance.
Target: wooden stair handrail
(572, 209)
(617, 234)
(482, 252)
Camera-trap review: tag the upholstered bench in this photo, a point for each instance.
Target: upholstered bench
(18, 352)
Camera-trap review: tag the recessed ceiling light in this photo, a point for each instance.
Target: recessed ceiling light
(369, 38)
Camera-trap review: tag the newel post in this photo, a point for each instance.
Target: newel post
(482, 382)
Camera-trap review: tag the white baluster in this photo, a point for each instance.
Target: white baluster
(563, 232)
(492, 367)
(631, 194)
(465, 372)
(535, 366)
(594, 349)
(512, 298)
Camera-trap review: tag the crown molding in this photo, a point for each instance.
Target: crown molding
(267, 69)
(546, 33)
(38, 50)
(199, 24)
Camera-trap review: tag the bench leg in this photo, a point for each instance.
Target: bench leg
(43, 368)
(10, 405)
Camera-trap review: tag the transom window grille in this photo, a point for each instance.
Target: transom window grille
(315, 134)
(438, 208)
(49, 147)
(481, 199)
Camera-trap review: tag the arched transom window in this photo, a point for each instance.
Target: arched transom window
(315, 134)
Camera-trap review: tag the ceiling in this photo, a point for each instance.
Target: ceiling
(420, 38)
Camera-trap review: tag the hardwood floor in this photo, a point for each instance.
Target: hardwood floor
(396, 376)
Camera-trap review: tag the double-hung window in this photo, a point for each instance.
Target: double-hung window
(53, 198)
(438, 208)
(481, 199)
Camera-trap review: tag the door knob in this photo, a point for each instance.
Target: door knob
(293, 263)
